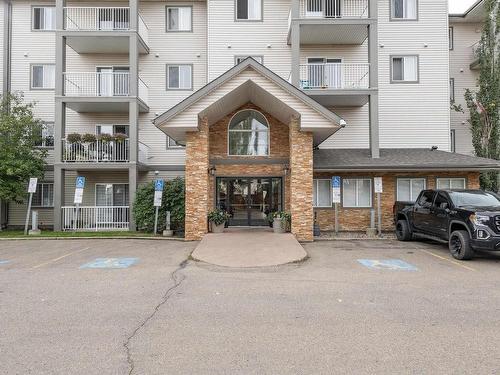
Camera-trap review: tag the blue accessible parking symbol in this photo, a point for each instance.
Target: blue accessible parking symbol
(388, 264)
(111, 263)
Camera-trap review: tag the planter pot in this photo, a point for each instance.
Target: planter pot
(278, 225)
(217, 228)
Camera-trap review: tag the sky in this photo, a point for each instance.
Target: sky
(460, 6)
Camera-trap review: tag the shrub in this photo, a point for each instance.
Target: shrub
(120, 137)
(173, 201)
(218, 216)
(286, 218)
(74, 138)
(105, 138)
(88, 138)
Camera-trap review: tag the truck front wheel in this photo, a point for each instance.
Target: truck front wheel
(459, 245)
(403, 231)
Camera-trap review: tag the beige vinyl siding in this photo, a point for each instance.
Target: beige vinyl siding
(248, 37)
(356, 134)
(350, 54)
(415, 115)
(91, 179)
(465, 35)
(147, 177)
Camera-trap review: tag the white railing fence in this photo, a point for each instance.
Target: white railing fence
(97, 18)
(474, 50)
(96, 218)
(143, 153)
(143, 91)
(96, 84)
(334, 8)
(143, 30)
(334, 76)
(98, 151)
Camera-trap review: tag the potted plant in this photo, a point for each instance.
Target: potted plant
(217, 219)
(119, 137)
(74, 138)
(281, 221)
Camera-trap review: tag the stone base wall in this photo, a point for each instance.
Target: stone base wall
(358, 219)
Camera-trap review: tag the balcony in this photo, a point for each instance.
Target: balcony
(474, 56)
(96, 218)
(102, 30)
(333, 21)
(102, 91)
(102, 152)
(336, 84)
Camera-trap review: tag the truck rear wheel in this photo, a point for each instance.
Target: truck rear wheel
(459, 245)
(403, 231)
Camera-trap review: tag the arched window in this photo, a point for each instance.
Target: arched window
(248, 134)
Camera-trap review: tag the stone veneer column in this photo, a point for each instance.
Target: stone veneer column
(301, 181)
(197, 182)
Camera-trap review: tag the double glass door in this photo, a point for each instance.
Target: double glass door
(249, 200)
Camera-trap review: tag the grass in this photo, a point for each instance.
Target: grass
(50, 233)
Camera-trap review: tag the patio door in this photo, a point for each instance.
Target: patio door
(112, 81)
(324, 73)
(113, 19)
(107, 198)
(323, 8)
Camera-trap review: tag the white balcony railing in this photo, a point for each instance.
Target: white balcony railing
(334, 76)
(143, 30)
(101, 84)
(96, 152)
(95, 218)
(143, 153)
(334, 8)
(474, 50)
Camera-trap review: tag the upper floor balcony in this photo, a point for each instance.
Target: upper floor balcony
(474, 56)
(103, 91)
(103, 30)
(332, 21)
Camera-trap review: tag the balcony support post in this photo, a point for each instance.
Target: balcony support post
(295, 43)
(373, 9)
(59, 177)
(133, 131)
(295, 9)
(373, 60)
(374, 128)
(134, 15)
(132, 187)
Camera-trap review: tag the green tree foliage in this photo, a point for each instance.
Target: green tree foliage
(20, 158)
(173, 201)
(484, 104)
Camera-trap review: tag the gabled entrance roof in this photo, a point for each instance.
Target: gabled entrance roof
(252, 82)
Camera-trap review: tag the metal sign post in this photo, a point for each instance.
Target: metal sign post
(157, 201)
(377, 181)
(80, 184)
(336, 200)
(31, 190)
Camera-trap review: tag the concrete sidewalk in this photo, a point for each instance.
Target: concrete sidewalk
(246, 248)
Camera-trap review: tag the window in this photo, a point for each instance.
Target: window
(408, 189)
(248, 134)
(452, 140)
(450, 183)
(112, 129)
(450, 38)
(404, 69)
(43, 76)
(179, 77)
(322, 195)
(179, 18)
(441, 201)
(357, 192)
(46, 136)
(44, 18)
(111, 195)
(404, 9)
(44, 195)
(250, 10)
(452, 90)
(171, 143)
(426, 199)
(238, 59)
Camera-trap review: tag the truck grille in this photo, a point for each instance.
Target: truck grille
(497, 224)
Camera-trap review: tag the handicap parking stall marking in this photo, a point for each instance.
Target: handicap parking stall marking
(114, 263)
(387, 264)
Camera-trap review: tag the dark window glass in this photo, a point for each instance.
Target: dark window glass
(441, 201)
(426, 199)
(242, 9)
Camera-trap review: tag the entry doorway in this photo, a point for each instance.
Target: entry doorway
(249, 199)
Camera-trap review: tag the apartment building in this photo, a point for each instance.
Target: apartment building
(465, 34)
(256, 103)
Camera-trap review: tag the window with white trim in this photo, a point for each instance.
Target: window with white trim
(452, 90)
(404, 9)
(450, 183)
(171, 143)
(404, 69)
(453, 145)
(44, 195)
(248, 134)
(249, 10)
(450, 37)
(238, 59)
(322, 193)
(408, 189)
(179, 77)
(46, 136)
(179, 18)
(356, 192)
(43, 76)
(43, 18)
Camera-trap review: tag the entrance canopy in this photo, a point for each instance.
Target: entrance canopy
(247, 82)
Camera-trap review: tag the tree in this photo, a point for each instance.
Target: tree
(484, 105)
(20, 158)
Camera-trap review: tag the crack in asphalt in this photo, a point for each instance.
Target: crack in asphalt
(166, 296)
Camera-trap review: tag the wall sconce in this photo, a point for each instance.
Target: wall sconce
(286, 169)
(212, 170)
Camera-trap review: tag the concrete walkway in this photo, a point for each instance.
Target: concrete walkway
(252, 247)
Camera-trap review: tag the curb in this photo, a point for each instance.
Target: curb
(353, 239)
(92, 238)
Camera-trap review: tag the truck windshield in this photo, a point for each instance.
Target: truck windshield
(473, 199)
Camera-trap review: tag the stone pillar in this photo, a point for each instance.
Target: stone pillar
(301, 181)
(197, 182)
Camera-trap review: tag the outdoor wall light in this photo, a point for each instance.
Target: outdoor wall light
(212, 170)
(228, 46)
(268, 46)
(286, 169)
(381, 45)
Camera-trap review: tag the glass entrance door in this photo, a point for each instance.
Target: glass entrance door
(249, 200)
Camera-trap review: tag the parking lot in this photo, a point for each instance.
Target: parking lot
(141, 306)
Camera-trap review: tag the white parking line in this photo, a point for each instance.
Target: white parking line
(449, 260)
(59, 258)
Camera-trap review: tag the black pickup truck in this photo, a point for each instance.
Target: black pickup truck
(467, 220)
